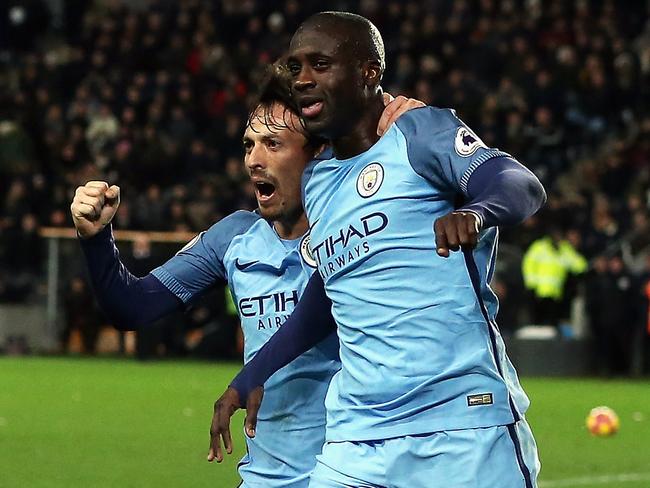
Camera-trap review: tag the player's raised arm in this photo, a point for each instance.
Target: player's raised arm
(310, 322)
(128, 301)
(496, 189)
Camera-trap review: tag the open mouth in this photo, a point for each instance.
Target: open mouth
(310, 108)
(264, 190)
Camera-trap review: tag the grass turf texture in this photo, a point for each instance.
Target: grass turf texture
(109, 422)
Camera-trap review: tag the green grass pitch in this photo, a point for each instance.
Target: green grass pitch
(78, 422)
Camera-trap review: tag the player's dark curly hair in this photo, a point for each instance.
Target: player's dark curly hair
(275, 88)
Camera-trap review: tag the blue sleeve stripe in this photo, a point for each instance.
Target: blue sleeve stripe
(172, 284)
(476, 163)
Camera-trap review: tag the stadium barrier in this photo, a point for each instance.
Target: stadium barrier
(39, 322)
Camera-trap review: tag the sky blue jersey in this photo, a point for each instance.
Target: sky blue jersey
(266, 276)
(419, 347)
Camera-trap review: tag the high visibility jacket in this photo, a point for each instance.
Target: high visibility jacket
(546, 267)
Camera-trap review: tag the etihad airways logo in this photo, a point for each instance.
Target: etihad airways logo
(272, 303)
(347, 243)
(270, 310)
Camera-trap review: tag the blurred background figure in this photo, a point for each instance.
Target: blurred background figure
(548, 266)
(22, 252)
(613, 310)
(81, 316)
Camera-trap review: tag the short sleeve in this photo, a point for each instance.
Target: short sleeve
(442, 149)
(199, 264)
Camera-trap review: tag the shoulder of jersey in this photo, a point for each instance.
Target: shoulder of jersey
(237, 219)
(219, 235)
(232, 225)
(424, 123)
(443, 118)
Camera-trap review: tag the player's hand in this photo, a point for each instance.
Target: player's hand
(395, 107)
(456, 230)
(94, 206)
(252, 408)
(224, 408)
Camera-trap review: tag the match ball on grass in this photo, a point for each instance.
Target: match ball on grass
(602, 421)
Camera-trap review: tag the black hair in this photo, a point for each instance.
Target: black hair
(275, 88)
(359, 33)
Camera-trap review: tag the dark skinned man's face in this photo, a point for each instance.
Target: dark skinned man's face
(327, 82)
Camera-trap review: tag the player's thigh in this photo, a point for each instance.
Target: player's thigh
(472, 458)
(348, 465)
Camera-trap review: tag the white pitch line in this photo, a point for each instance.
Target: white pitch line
(595, 480)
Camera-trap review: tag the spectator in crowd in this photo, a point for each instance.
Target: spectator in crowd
(644, 322)
(635, 244)
(22, 259)
(81, 314)
(102, 130)
(547, 265)
(612, 310)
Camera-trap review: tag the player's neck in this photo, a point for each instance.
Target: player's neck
(291, 228)
(363, 135)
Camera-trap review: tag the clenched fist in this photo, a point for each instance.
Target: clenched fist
(456, 230)
(94, 206)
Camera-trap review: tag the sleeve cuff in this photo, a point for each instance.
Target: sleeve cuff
(474, 212)
(101, 238)
(486, 156)
(172, 284)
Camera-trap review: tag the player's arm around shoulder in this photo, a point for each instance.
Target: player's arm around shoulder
(495, 188)
(394, 109)
(93, 207)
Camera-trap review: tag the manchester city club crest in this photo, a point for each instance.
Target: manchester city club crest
(305, 251)
(370, 179)
(466, 142)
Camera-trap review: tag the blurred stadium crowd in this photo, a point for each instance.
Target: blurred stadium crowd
(153, 96)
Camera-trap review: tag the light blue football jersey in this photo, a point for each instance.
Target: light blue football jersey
(266, 276)
(419, 347)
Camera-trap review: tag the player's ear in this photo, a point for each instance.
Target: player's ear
(372, 73)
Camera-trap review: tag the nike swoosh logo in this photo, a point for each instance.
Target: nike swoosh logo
(243, 266)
